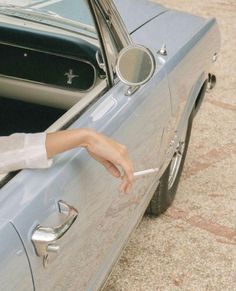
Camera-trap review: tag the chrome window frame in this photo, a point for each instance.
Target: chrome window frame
(112, 33)
(115, 23)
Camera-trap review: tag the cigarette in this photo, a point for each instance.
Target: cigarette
(146, 172)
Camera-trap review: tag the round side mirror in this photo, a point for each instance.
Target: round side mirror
(135, 65)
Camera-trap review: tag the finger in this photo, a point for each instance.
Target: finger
(128, 176)
(129, 189)
(111, 168)
(125, 188)
(126, 185)
(122, 187)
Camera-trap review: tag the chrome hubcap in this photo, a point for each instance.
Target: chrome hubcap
(177, 158)
(175, 163)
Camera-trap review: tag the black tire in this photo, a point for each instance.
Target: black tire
(167, 187)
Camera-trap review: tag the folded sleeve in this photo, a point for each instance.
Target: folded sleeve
(20, 151)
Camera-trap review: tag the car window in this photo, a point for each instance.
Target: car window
(71, 15)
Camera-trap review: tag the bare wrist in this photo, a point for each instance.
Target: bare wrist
(88, 137)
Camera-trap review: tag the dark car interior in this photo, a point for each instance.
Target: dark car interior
(19, 116)
(42, 58)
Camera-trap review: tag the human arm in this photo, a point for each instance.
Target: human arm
(103, 149)
(20, 151)
(23, 151)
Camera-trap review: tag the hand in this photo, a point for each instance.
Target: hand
(108, 152)
(112, 155)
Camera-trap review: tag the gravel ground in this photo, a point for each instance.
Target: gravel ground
(193, 245)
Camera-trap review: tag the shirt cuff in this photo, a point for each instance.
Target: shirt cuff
(35, 149)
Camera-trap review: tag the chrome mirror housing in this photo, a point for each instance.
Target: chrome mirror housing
(135, 65)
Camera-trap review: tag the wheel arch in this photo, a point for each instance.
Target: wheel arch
(200, 96)
(194, 101)
(196, 95)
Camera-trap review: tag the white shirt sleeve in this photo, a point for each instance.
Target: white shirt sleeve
(20, 151)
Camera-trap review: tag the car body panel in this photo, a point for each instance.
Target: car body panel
(129, 8)
(15, 273)
(186, 37)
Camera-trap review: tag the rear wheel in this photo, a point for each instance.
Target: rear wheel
(167, 187)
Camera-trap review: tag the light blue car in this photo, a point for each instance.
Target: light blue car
(132, 69)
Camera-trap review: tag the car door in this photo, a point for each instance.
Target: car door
(15, 273)
(45, 202)
(105, 216)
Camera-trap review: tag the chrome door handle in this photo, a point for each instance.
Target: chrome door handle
(44, 238)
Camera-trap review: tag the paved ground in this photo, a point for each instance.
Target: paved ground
(193, 246)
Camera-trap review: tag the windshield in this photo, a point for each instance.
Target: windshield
(68, 14)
